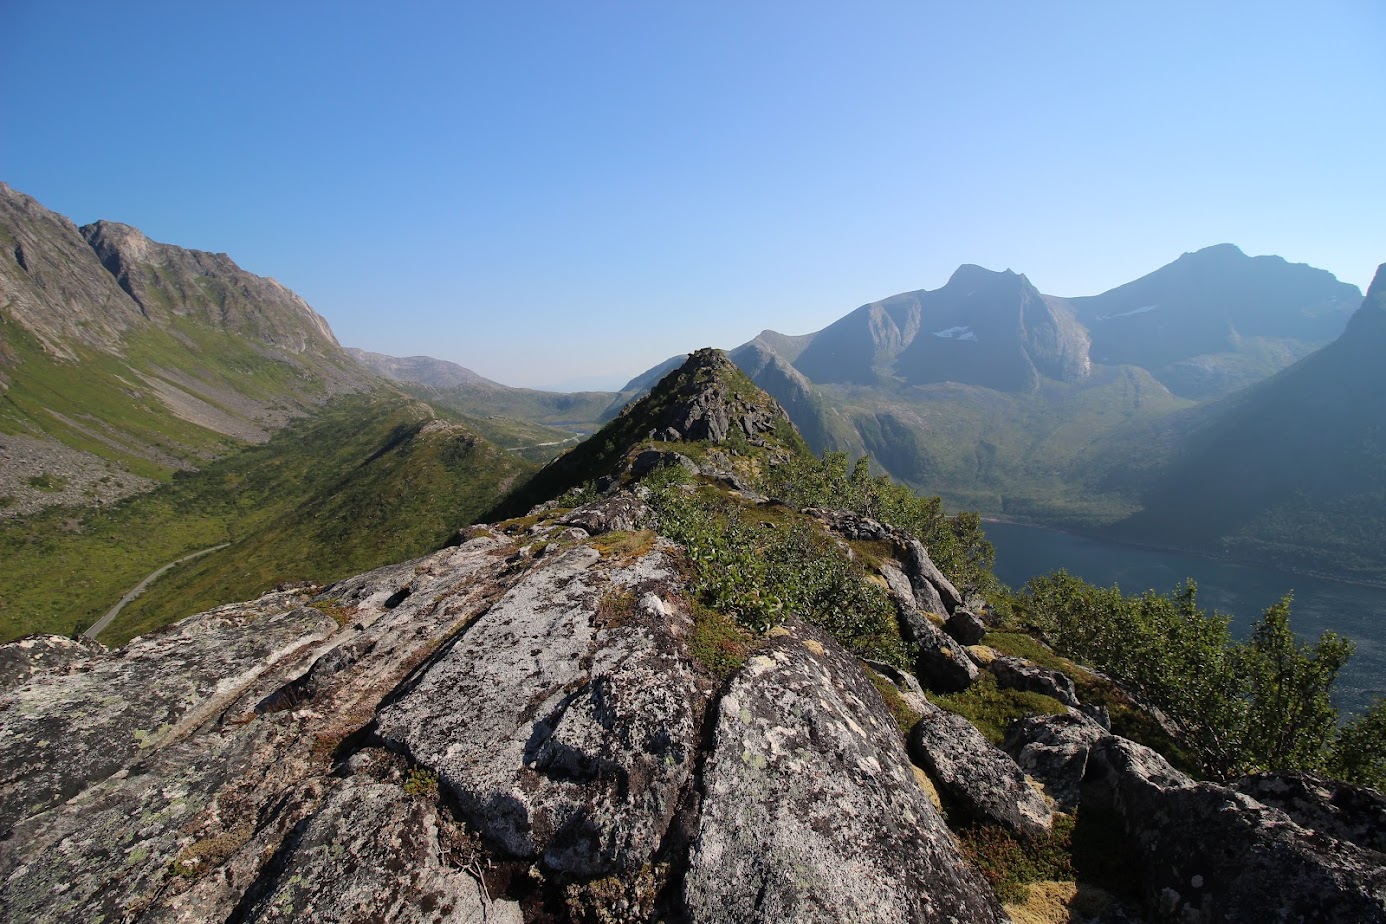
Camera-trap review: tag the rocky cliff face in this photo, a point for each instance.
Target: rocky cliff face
(982, 328)
(545, 722)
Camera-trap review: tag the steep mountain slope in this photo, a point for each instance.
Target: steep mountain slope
(1292, 471)
(134, 367)
(122, 360)
(1216, 319)
(822, 426)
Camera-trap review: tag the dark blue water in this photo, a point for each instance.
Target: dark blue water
(1240, 591)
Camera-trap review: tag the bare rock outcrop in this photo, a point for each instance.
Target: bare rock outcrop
(565, 721)
(59, 734)
(36, 654)
(372, 852)
(1054, 749)
(1020, 674)
(810, 809)
(1356, 814)
(1212, 854)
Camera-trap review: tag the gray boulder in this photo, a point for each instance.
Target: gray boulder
(619, 512)
(811, 812)
(651, 459)
(965, 627)
(1054, 749)
(1210, 853)
(942, 664)
(564, 728)
(850, 525)
(976, 775)
(1020, 674)
(1356, 814)
(922, 571)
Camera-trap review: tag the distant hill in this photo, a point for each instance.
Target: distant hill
(535, 424)
(1293, 470)
(1217, 319)
(421, 370)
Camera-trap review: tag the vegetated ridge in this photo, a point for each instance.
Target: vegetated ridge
(715, 679)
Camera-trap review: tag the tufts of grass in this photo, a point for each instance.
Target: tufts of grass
(422, 783)
(616, 608)
(993, 709)
(719, 644)
(621, 544)
(1010, 863)
(905, 717)
(48, 484)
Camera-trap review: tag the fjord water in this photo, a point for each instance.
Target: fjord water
(1240, 591)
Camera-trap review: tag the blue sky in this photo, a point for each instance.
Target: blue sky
(547, 191)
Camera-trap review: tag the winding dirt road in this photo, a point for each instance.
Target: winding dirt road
(100, 625)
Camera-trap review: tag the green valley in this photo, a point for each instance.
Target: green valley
(366, 481)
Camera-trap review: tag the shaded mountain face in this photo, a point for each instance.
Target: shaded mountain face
(823, 427)
(1217, 318)
(122, 359)
(1295, 466)
(982, 328)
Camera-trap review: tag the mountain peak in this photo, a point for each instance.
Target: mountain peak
(1369, 321)
(1222, 251)
(707, 406)
(970, 274)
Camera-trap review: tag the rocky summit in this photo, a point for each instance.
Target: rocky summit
(552, 720)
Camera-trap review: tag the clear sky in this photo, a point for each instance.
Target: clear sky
(546, 191)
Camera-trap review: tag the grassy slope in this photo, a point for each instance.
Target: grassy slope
(351, 487)
(112, 414)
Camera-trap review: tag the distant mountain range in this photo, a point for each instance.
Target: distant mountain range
(1095, 412)
(1222, 402)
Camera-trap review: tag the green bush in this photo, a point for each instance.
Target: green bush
(956, 544)
(762, 576)
(1240, 707)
